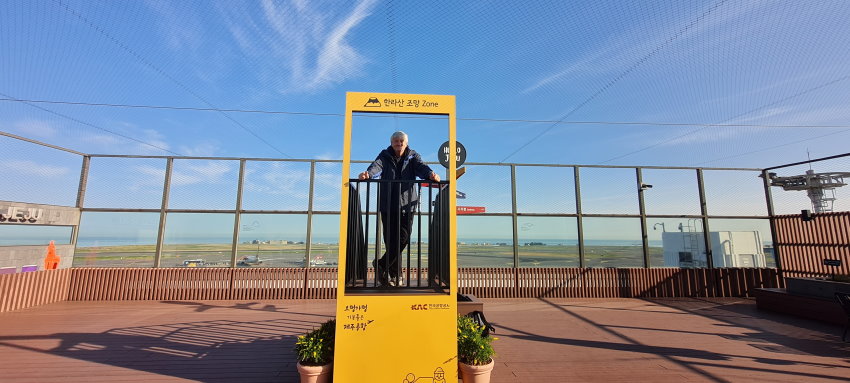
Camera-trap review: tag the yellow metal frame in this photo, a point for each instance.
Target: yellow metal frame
(396, 337)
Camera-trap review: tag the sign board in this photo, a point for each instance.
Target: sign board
(832, 262)
(38, 214)
(398, 336)
(470, 209)
(443, 154)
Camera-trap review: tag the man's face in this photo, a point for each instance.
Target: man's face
(398, 144)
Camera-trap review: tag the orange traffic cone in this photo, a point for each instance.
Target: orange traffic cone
(51, 261)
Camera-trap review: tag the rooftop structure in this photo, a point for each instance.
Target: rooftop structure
(820, 187)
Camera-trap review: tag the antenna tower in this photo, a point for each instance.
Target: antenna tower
(819, 186)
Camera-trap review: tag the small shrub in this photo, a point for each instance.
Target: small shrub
(316, 348)
(472, 347)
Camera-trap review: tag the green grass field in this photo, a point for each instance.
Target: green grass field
(292, 255)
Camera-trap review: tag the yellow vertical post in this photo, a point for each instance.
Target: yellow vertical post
(396, 337)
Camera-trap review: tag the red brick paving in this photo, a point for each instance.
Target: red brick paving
(540, 340)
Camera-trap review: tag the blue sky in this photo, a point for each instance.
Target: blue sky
(725, 62)
(578, 82)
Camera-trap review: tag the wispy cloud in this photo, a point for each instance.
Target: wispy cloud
(30, 168)
(35, 128)
(279, 179)
(194, 173)
(310, 42)
(623, 50)
(181, 31)
(204, 149)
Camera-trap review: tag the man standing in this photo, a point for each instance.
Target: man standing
(397, 201)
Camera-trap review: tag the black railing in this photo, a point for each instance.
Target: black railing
(395, 213)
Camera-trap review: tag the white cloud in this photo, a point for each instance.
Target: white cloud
(181, 31)
(329, 156)
(210, 170)
(26, 167)
(623, 50)
(200, 150)
(35, 128)
(338, 61)
(310, 42)
(281, 179)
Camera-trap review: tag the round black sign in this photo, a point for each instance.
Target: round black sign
(443, 154)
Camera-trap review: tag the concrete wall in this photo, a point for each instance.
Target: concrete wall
(17, 256)
(31, 214)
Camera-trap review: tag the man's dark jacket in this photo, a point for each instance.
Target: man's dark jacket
(407, 167)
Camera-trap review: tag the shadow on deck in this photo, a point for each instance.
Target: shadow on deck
(581, 340)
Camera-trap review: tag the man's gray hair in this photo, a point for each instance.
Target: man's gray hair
(399, 134)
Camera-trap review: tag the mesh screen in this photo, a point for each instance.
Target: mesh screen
(609, 191)
(488, 186)
(326, 186)
(734, 193)
(204, 184)
(741, 243)
(548, 241)
(324, 244)
(129, 183)
(38, 174)
(276, 185)
(123, 239)
(272, 240)
(676, 242)
(542, 189)
(197, 240)
(673, 191)
(612, 242)
(484, 241)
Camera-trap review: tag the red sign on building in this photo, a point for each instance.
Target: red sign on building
(470, 209)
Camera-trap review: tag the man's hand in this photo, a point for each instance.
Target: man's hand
(435, 177)
(363, 176)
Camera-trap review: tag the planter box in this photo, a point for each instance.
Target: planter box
(816, 287)
(469, 304)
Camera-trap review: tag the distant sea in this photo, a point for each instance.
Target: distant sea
(117, 241)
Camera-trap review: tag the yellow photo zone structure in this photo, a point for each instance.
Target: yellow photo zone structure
(397, 337)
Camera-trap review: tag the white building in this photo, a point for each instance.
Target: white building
(729, 249)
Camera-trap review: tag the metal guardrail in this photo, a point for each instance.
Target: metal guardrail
(580, 213)
(398, 226)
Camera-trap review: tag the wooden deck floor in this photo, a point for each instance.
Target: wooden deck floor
(540, 340)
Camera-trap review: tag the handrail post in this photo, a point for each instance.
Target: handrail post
(580, 226)
(309, 239)
(81, 196)
(166, 190)
(514, 216)
(768, 197)
(237, 219)
(642, 205)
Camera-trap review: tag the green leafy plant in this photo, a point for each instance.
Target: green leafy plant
(473, 347)
(316, 348)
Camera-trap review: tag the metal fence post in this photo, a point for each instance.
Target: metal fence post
(514, 216)
(81, 196)
(706, 234)
(768, 197)
(643, 234)
(580, 226)
(237, 219)
(309, 240)
(166, 190)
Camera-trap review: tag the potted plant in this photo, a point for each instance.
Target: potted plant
(474, 351)
(315, 351)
